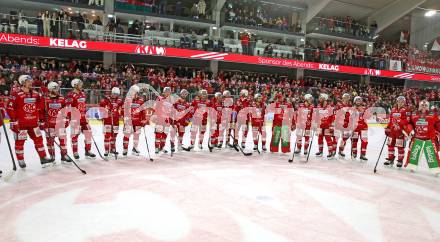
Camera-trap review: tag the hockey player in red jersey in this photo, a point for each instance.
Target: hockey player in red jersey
(136, 122)
(241, 103)
(26, 110)
(344, 108)
(304, 124)
(217, 105)
(360, 131)
(281, 132)
(3, 103)
(257, 121)
(53, 103)
(77, 99)
(199, 122)
(162, 114)
(422, 127)
(113, 105)
(181, 105)
(228, 116)
(394, 132)
(326, 128)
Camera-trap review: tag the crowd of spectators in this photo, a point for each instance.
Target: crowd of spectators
(59, 24)
(423, 61)
(344, 53)
(259, 15)
(391, 51)
(98, 81)
(344, 25)
(98, 3)
(338, 52)
(77, 25)
(195, 9)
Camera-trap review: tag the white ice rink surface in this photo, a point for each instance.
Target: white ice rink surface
(220, 196)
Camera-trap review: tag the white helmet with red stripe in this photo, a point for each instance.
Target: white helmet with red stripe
(52, 86)
(323, 96)
(116, 91)
(75, 82)
(357, 98)
(308, 97)
(24, 78)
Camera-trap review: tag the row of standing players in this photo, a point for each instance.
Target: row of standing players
(30, 113)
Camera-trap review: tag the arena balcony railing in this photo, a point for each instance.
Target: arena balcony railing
(88, 31)
(93, 4)
(190, 10)
(261, 15)
(345, 29)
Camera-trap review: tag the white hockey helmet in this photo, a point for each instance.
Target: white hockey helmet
(203, 92)
(217, 94)
(226, 93)
(116, 91)
(52, 86)
(323, 96)
(167, 90)
(23, 78)
(135, 88)
(357, 98)
(308, 97)
(75, 82)
(184, 92)
(244, 92)
(257, 95)
(424, 103)
(346, 95)
(401, 98)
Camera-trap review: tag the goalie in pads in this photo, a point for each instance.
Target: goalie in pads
(422, 127)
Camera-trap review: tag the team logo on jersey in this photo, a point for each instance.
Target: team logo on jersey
(52, 112)
(396, 115)
(29, 108)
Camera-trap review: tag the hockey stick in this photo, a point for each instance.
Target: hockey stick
(209, 142)
(293, 152)
(14, 166)
(146, 142)
(310, 146)
(70, 158)
(97, 148)
(172, 138)
(239, 148)
(258, 141)
(233, 141)
(114, 152)
(378, 158)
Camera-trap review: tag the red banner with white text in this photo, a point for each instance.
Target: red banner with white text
(200, 54)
